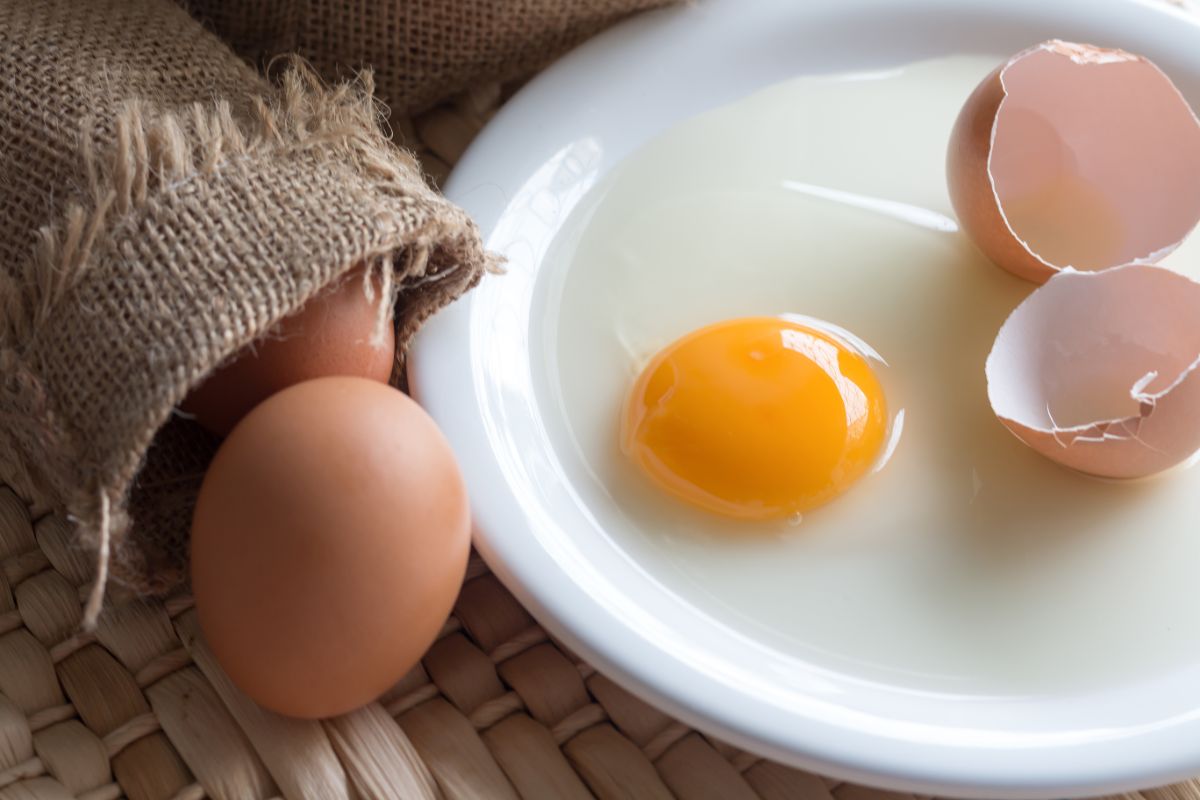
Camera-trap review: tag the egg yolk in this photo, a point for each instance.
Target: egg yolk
(756, 419)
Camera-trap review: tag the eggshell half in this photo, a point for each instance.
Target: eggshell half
(1070, 155)
(1098, 370)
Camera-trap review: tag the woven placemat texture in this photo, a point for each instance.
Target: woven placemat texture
(497, 708)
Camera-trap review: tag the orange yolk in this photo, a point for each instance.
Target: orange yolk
(756, 418)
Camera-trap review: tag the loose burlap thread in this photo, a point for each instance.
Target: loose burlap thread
(161, 206)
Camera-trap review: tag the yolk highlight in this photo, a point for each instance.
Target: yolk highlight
(757, 418)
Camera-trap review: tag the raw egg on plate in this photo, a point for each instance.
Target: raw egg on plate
(968, 563)
(758, 418)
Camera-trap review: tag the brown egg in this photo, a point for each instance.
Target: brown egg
(1070, 155)
(1100, 371)
(329, 542)
(332, 335)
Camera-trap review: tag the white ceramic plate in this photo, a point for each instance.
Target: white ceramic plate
(471, 368)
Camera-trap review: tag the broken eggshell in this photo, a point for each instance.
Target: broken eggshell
(1070, 155)
(1098, 370)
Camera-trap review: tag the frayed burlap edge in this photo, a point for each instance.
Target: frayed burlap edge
(157, 151)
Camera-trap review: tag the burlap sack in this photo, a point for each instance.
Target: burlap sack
(422, 50)
(161, 205)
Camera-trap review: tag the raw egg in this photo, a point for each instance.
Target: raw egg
(329, 541)
(967, 565)
(335, 333)
(1071, 155)
(758, 418)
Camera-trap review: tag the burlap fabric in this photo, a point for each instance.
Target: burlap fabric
(161, 205)
(422, 50)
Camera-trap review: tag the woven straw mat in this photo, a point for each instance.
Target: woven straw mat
(497, 708)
